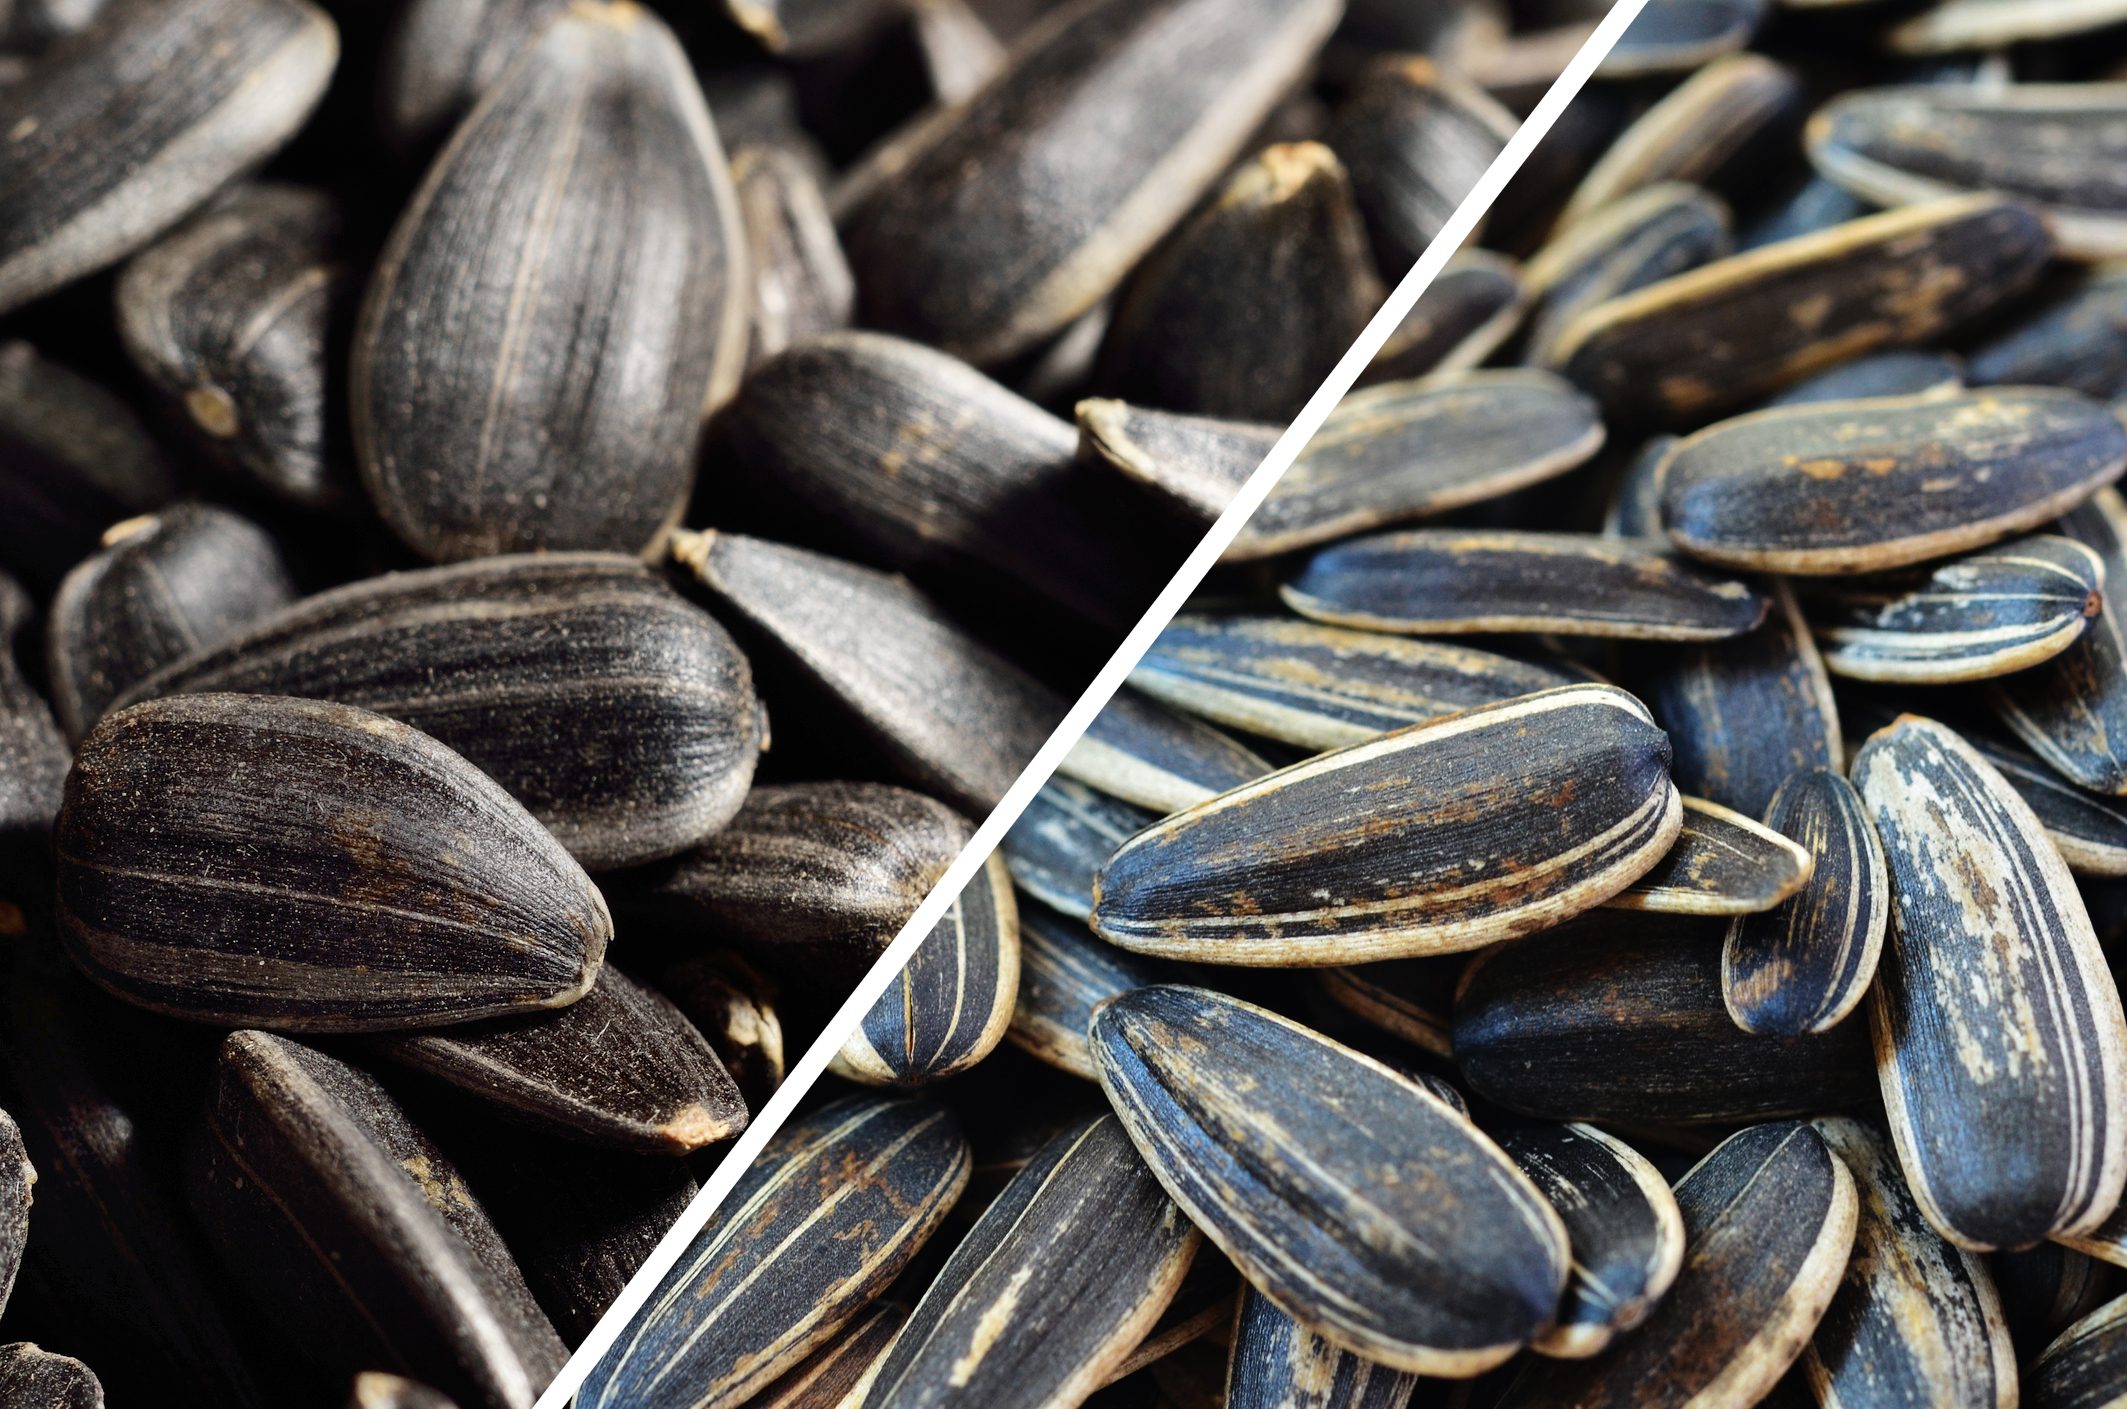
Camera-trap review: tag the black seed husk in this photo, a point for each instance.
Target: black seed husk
(33, 1378)
(1147, 755)
(33, 765)
(1193, 465)
(1901, 372)
(1653, 234)
(1065, 974)
(832, 1375)
(801, 282)
(1061, 841)
(441, 55)
(733, 1005)
(1461, 319)
(1408, 998)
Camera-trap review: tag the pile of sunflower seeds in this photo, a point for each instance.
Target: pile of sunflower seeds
(365, 701)
(1696, 834)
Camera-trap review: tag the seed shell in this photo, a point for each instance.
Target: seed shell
(947, 711)
(1061, 1276)
(129, 126)
(1405, 450)
(260, 859)
(733, 1006)
(1417, 139)
(2072, 710)
(802, 287)
(33, 1378)
(949, 1006)
(1149, 756)
(470, 444)
(1999, 1038)
(1621, 1220)
(841, 1371)
(1900, 372)
(1618, 1019)
(356, 1234)
(2044, 1290)
(1193, 464)
(1731, 332)
(1768, 1220)
(1803, 966)
(1913, 478)
(1060, 842)
(1462, 318)
(1322, 687)
(1653, 234)
(2089, 831)
(1366, 1208)
(1407, 845)
(1065, 974)
(1276, 1364)
(1722, 864)
(1459, 581)
(1412, 999)
(17, 1181)
(2086, 1367)
(832, 1210)
(2074, 339)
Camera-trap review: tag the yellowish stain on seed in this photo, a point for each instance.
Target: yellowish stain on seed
(993, 1324)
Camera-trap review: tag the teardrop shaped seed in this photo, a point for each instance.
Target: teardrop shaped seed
(948, 1007)
(1417, 139)
(1061, 1276)
(1617, 1018)
(1656, 233)
(620, 1067)
(34, 1378)
(1321, 687)
(1379, 1218)
(183, 579)
(1192, 464)
(583, 205)
(1065, 974)
(1768, 1221)
(1729, 332)
(1900, 372)
(1677, 36)
(139, 119)
(2089, 830)
(1864, 486)
(355, 1233)
(944, 709)
(260, 859)
(2087, 1364)
(1407, 845)
(1462, 318)
(237, 317)
(619, 714)
(1148, 755)
(1444, 581)
(1405, 450)
(733, 1005)
(1408, 998)
(1722, 864)
(1803, 966)
(442, 55)
(2001, 1046)
(1276, 1362)
(834, 1207)
(1914, 1321)
(1065, 836)
(17, 1179)
(840, 1370)
(1621, 1220)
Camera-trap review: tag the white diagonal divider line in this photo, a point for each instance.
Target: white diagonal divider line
(807, 1070)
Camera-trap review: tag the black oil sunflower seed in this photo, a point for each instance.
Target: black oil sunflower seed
(34, 1378)
(1677, 36)
(1194, 465)
(1068, 832)
(1722, 864)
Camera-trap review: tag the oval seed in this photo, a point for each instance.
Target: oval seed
(1768, 1221)
(1380, 1219)
(1150, 756)
(1408, 998)
(2072, 710)
(1065, 974)
(1455, 581)
(265, 860)
(1444, 836)
(34, 1378)
(949, 1006)
(2086, 1365)
(1640, 239)
(819, 1225)
(1276, 1363)
(1626, 1233)
(1061, 1276)
(1722, 864)
(1194, 464)
(1322, 687)
(2088, 830)
(1911, 478)
(17, 1179)
(1805, 965)
(1999, 1038)
(1068, 832)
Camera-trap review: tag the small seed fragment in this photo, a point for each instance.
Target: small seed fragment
(1276, 1363)
(1149, 756)
(1722, 864)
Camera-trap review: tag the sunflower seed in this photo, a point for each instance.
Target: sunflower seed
(442, 55)
(733, 1006)
(2089, 831)
(841, 1371)
(166, 584)
(1677, 36)
(2044, 1290)
(1722, 864)
(1407, 845)
(2086, 1365)
(1455, 581)
(33, 766)
(802, 286)
(1380, 1219)
(832, 1209)
(1192, 464)
(949, 1006)
(1405, 450)
(482, 423)
(1741, 328)
(1464, 316)
(374, 1389)
(31, 1378)
(2056, 146)
(2000, 1041)
(620, 716)
(17, 1180)
(1805, 965)
(1065, 974)
(947, 712)
(1915, 1321)
(1635, 506)
(128, 127)
(1618, 1019)
(1203, 1309)
(1412, 999)
(237, 318)
(1051, 1288)
(1903, 372)
(1151, 757)
(1769, 1220)
(989, 269)
(1276, 1364)
(247, 858)
(2072, 709)
(1654, 233)
(1060, 842)
(1913, 478)
(1626, 1233)
(1322, 687)
(1417, 140)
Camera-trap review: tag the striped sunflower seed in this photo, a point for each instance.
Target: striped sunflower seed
(1407, 845)
(2046, 1289)
(1202, 1310)
(17, 1185)
(820, 1224)
(1191, 464)
(1464, 316)
(2089, 831)
(1151, 757)
(1277, 1363)
(2071, 340)
(266, 860)
(1803, 966)
(1057, 846)
(949, 1006)
(1417, 140)
(1913, 478)
(1722, 864)
(1408, 998)
(34, 1378)
(2086, 1365)
(1372, 1212)
(1988, 613)
(1065, 974)
(841, 1371)
(1991, 963)
(1061, 1276)
(1655, 233)
(1769, 1220)
(1900, 372)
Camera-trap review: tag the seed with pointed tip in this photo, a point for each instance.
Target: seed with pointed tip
(1722, 864)
(1192, 464)
(1151, 757)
